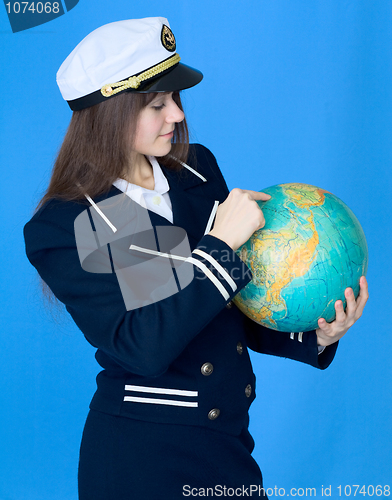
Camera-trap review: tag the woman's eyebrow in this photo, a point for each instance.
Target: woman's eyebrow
(160, 96)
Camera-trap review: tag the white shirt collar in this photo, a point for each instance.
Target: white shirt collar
(136, 192)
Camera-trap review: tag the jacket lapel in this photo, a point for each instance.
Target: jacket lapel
(191, 209)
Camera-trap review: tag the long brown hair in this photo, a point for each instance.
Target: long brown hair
(95, 150)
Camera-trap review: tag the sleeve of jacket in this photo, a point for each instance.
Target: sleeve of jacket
(296, 346)
(144, 341)
(301, 348)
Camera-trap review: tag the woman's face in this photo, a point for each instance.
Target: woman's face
(155, 126)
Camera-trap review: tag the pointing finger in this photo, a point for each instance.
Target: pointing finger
(257, 195)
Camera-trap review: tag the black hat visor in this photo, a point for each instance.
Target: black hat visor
(178, 77)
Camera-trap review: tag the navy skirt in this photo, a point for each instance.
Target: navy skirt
(125, 459)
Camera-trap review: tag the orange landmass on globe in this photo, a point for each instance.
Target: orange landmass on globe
(263, 314)
(279, 258)
(276, 267)
(295, 264)
(305, 196)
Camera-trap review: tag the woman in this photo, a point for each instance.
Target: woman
(142, 254)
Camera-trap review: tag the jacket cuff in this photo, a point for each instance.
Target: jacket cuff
(308, 341)
(219, 263)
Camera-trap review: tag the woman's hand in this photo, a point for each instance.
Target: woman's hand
(328, 333)
(238, 217)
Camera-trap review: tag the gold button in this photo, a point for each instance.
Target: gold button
(229, 305)
(240, 349)
(213, 414)
(207, 369)
(248, 390)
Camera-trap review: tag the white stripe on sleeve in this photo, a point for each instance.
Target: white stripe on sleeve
(218, 267)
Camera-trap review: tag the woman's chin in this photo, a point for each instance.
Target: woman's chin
(163, 151)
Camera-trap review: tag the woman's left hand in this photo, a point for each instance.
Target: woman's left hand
(328, 333)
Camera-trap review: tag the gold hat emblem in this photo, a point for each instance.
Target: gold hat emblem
(167, 39)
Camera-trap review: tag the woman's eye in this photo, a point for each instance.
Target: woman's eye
(157, 108)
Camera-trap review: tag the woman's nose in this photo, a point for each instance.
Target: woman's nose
(175, 115)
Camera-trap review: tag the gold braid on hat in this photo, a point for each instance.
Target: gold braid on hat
(133, 82)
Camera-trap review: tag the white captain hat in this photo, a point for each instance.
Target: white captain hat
(137, 55)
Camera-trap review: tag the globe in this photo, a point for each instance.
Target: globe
(310, 250)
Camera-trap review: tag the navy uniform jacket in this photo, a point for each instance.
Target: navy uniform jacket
(182, 359)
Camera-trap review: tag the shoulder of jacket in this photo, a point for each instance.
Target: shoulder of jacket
(58, 212)
(206, 164)
(203, 161)
(51, 226)
(201, 152)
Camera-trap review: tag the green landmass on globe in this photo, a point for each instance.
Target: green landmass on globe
(310, 250)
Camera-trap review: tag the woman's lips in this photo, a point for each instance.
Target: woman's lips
(170, 134)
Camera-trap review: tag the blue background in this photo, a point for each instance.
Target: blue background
(294, 91)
